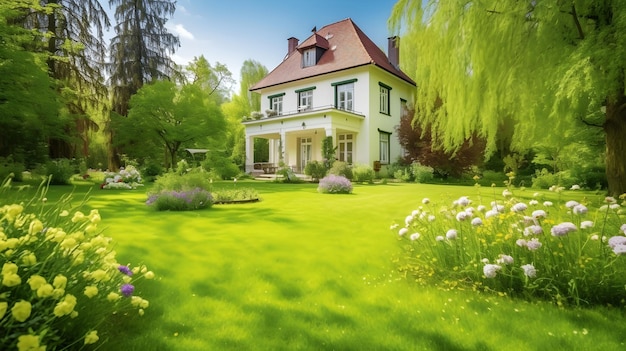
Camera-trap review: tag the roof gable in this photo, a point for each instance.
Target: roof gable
(346, 46)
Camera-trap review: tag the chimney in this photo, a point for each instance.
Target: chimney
(394, 51)
(292, 44)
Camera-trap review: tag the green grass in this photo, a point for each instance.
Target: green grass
(301, 270)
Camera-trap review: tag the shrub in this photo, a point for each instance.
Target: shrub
(60, 279)
(127, 178)
(561, 252)
(544, 179)
(8, 167)
(234, 195)
(341, 168)
(421, 173)
(183, 200)
(334, 184)
(191, 180)
(363, 174)
(317, 170)
(151, 170)
(60, 171)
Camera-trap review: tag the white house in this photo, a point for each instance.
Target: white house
(336, 83)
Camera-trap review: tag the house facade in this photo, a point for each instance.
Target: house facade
(338, 84)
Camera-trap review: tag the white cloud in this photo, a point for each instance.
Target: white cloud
(182, 9)
(180, 30)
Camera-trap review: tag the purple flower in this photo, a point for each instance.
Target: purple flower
(571, 204)
(586, 224)
(563, 229)
(619, 249)
(451, 234)
(623, 228)
(521, 242)
(529, 270)
(476, 221)
(617, 240)
(533, 244)
(127, 289)
(539, 214)
(490, 270)
(519, 207)
(125, 270)
(579, 209)
(533, 230)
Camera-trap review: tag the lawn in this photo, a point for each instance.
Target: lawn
(301, 270)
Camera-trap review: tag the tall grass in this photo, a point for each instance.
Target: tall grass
(303, 271)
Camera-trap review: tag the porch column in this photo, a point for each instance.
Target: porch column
(282, 150)
(332, 132)
(249, 163)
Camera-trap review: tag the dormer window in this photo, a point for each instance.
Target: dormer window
(308, 57)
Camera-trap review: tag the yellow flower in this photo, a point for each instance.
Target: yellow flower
(64, 213)
(79, 257)
(100, 275)
(9, 268)
(60, 281)
(29, 259)
(91, 337)
(78, 216)
(35, 227)
(113, 297)
(29, 343)
(91, 291)
(66, 306)
(94, 216)
(127, 279)
(45, 290)
(91, 228)
(36, 281)
(12, 243)
(12, 211)
(144, 303)
(149, 275)
(135, 301)
(10, 280)
(21, 310)
(3, 308)
(141, 312)
(58, 293)
(68, 243)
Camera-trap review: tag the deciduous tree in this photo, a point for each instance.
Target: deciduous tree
(545, 66)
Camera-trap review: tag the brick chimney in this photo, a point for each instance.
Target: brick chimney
(292, 44)
(393, 52)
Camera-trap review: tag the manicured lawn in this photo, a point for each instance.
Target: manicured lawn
(305, 271)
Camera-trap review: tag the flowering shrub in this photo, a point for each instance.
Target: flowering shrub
(334, 184)
(59, 277)
(184, 200)
(126, 178)
(563, 252)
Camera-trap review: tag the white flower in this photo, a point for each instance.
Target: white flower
(439, 238)
(619, 249)
(507, 193)
(451, 234)
(533, 230)
(461, 216)
(490, 270)
(586, 224)
(431, 218)
(529, 270)
(539, 214)
(415, 236)
(575, 187)
(521, 242)
(403, 231)
(408, 220)
(579, 209)
(547, 203)
(617, 240)
(533, 244)
(505, 259)
(425, 201)
(481, 208)
(476, 221)
(533, 202)
(394, 226)
(519, 207)
(571, 204)
(463, 201)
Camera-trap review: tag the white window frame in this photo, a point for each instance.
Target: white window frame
(384, 143)
(276, 104)
(345, 97)
(384, 99)
(308, 58)
(345, 148)
(305, 100)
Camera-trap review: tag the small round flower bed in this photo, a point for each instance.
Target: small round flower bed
(335, 184)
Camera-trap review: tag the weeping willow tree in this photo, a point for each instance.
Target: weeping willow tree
(547, 68)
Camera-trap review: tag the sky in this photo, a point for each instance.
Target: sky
(232, 31)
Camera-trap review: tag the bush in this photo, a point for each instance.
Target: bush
(544, 179)
(315, 169)
(559, 252)
(61, 282)
(363, 174)
(341, 169)
(181, 192)
(60, 171)
(421, 173)
(335, 184)
(234, 195)
(151, 170)
(221, 167)
(127, 178)
(492, 177)
(8, 167)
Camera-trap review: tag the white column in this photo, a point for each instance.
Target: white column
(283, 148)
(249, 164)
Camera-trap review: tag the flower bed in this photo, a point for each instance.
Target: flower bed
(60, 278)
(127, 178)
(335, 184)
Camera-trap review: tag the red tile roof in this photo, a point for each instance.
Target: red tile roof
(348, 47)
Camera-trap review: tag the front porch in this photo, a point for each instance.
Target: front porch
(295, 140)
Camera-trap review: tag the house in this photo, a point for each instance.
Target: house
(337, 83)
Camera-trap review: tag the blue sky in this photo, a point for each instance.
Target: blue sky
(232, 31)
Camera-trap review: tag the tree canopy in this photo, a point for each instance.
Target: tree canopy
(548, 68)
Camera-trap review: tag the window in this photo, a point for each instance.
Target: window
(305, 100)
(345, 147)
(276, 103)
(384, 147)
(384, 98)
(308, 58)
(345, 97)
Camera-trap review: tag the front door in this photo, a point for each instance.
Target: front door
(305, 152)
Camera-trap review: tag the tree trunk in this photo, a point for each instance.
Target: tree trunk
(615, 129)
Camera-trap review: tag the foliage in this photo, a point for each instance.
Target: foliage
(335, 184)
(183, 200)
(221, 166)
(564, 79)
(235, 195)
(8, 167)
(196, 178)
(60, 171)
(363, 173)
(421, 173)
(421, 147)
(60, 277)
(341, 168)
(151, 169)
(544, 179)
(328, 152)
(287, 174)
(317, 170)
(127, 178)
(560, 251)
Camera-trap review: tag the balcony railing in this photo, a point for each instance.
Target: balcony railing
(301, 112)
